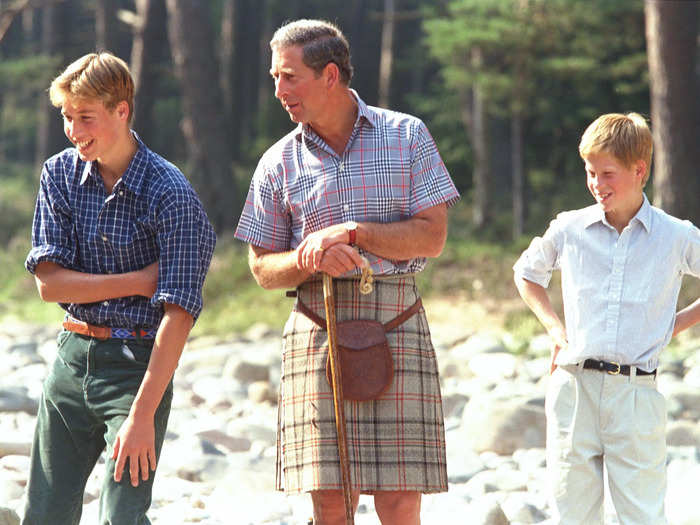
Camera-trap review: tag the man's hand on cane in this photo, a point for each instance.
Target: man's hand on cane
(327, 251)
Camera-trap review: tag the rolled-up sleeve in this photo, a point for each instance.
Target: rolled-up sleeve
(53, 235)
(430, 181)
(186, 242)
(541, 258)
(691, 265)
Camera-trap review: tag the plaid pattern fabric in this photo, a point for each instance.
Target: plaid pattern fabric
(396, 442)
(390, 170)
(152, 214)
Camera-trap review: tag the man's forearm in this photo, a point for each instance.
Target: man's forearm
(422, 235)
(58, 284)
(275, 269)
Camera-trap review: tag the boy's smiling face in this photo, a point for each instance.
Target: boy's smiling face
(92, 128)
(617, 188)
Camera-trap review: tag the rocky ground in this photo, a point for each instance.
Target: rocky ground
(218, 461)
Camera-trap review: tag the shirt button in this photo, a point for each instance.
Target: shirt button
(106, 303)
(346, 207)
(121, 192)
(104, 238)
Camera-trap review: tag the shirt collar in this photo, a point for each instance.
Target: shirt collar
(133, 178)
(595, 214)
(364, 113)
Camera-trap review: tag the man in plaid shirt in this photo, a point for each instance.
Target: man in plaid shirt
(349, 180)
(121, 241)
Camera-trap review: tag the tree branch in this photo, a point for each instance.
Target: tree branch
(8, 14)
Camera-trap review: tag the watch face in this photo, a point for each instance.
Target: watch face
(350, 225)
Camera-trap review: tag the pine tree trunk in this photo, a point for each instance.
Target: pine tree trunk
(50, 136)
(516, 142)
(146, 53)
(226, 55)
(480, 146)
(672, 33)
(209, 156)
(387, 53)
(243, 75)
(106, 25)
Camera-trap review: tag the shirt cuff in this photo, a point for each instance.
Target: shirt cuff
(54, 254)
(188, 300)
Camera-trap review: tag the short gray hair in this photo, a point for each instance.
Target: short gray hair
(321, 43)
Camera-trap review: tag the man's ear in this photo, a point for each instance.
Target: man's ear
(331, 73)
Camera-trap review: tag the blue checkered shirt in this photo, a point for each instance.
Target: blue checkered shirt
(389, 171)
(153, 214)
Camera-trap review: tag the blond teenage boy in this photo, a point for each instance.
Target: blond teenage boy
(621, 262)
(120, 240)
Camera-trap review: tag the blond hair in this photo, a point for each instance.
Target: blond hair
(94, 76)
(626, 137)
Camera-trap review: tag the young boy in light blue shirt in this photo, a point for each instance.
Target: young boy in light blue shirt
(622, 262)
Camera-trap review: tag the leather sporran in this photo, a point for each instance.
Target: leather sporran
(366, 365)
(365, 360)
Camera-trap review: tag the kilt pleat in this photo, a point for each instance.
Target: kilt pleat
(396, 442)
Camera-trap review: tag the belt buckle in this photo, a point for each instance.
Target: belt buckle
(614, 372)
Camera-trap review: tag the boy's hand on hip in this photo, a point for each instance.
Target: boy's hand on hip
(558, 336)
(136, 442)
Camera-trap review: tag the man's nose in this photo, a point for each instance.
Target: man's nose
(279, 88)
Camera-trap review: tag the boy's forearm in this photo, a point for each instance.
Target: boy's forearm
(58, 284)
(170, 340)
(535, 296)
(687, 317)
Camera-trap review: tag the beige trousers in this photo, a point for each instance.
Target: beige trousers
(596, 419)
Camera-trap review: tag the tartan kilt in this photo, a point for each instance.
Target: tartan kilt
(395, 443)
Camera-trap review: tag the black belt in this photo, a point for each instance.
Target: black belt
(613, 368)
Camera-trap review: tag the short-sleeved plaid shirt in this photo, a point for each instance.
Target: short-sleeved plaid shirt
(389, 171)
(153, 214)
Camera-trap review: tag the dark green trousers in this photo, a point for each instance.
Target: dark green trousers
(87, 396)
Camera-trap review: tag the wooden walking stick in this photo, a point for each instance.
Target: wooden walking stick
(337, 386)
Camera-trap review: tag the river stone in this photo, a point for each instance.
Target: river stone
(247, 372)
(11, 448)
(686, 396)
(519, 508)
(220, 439)
(8, 516)
(494, 366)
(486, 511)
(15, 399)
(503, 425)
(682, 433)
(261, 392)
(478, 343)
(681, 496)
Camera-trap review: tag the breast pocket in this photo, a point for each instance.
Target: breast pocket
(134, 244)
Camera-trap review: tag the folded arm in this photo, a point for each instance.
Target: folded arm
(327, 250)
(58, 284)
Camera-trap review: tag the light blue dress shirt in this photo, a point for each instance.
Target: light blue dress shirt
(620, 290)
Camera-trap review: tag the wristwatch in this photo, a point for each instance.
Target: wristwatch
(351, 228)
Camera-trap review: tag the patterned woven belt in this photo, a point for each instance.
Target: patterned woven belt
(106, 332)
